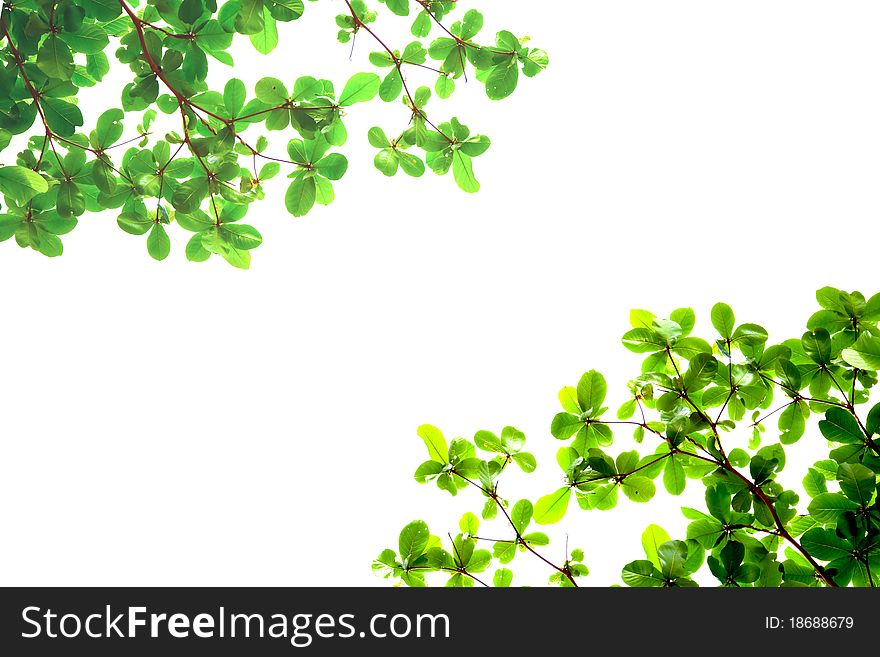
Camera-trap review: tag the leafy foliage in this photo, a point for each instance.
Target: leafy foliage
(205, 175)
(699, 410)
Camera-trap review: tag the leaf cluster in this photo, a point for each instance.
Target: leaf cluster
(699, 411)
(205, 176)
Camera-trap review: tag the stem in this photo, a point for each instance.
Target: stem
(128, 141)
(426, 5)
(461, 567)
(493, 495)
(450, 570)
(772, 413)
(848, 405)
(27, 83)
(797, 395)
(398, 63)
(729, 381)
(50, 136)
(186, 37)
(621, 476)
(752, 486)
(780, 527)
(139, 24)
(184, 102)
(712, 425)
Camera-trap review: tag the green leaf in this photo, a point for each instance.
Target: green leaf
(190, 10)
(413, 541)
(653, 537)
(269, 171)
(271, 91)
(249, 19)
(857, 482)
(536, 538)
(158, 243)
(332, 166)
(750, 335)
(502, 578)
(638, 489)
(102, 10)
(723, 320)
(469, 524)
(689, 348)
(189, 195)
(591, 391)
(824, 544)
(415, 579)
(234, 96)
(790, 375)
(762, 469)
(387, 161)
(603, 498)
(399, 7)
(241, 236)
(872, 423)
(626, 461)
(88, 39)
(626, 410)
(512, 440)
(840, 426)
(504, 551)
(521, 515)
(643, 341)
(792, 424)
(471, 25)
(445, 86)
(21, 184)
(134, 223)
(55, 59)
(213, 37)
(463, 171)
(706, 531)
(391, 86)
(108, 129)
(551, 508)
(435, 442)
(826, 507)
(503, 79)
(673, 555)
(63, 117)
(700, 373)
(800, 524)
(44, 242)
(266, 40)
(674, 477)
(814, 483)
(565, 425)
(361, 88)
(428, 471)
(378, 138)
(817, 346)
(70, 200)
(642, 574)
(718, 501)
(301, 196)
(865, 353)
(525, 461)
(488, 441)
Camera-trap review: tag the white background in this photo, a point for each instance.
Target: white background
(175, 423)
